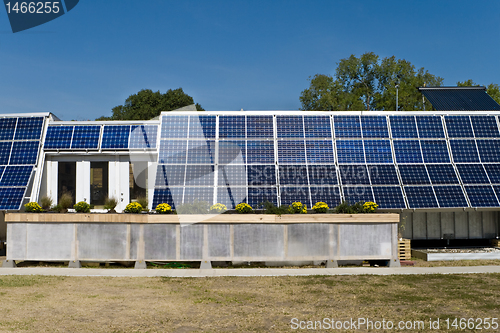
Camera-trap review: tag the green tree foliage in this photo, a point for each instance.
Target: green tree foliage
(369, 83)
(147, 104)
(492, 89)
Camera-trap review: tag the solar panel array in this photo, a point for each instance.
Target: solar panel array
(398, 161)
(19, 148)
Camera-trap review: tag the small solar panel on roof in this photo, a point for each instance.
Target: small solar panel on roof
(58, 137)
(460, 98)
(86, 137)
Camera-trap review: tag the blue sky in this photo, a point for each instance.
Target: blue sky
(229, 55)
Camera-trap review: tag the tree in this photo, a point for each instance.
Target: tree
(492, 89)
(147, 104)
(368, 83)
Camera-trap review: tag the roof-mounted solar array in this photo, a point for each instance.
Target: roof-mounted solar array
(460, 98)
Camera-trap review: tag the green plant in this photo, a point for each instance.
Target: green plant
(320, 207)
(243, 208)
(133, 207)
(56, 208)
(65, 201)
(46, 202)
(33, 207)
(82, 207)
(197, 207)
(110, 203)
(270, 208)
(163, 208)
(299, 208)
(370, 207)
(218, 208)
(143, 201)
(346, 208)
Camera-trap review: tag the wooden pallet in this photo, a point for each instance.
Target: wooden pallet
(495, 242)
(404, 249)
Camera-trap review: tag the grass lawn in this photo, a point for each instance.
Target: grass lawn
(239, 304)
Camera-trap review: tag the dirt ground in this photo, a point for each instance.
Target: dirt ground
(240, 304)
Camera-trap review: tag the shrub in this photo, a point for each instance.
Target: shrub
(46, 202)
(110, 203)
(270, 208)
(163, 208)
(65, 201)
(143, 201)
(33, 207)
(197, 207)
(370, 207)
(243, 208)
(133, 207)
(299, 208)
(320, 207)
(218, 208)
(82, 207)
(346, 208)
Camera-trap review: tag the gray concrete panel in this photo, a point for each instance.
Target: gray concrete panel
(102, 241)
(134, 239)
(448, 223)
(159, 241)
(475, 225)
(308, 240)
(490, 224)
(365, 241)
(461, 225)
(258, 240)
(16, 241)
(434, 226)
(405, 226)
(192, 242)
(419, 225)
(219, 240)
(49, 241)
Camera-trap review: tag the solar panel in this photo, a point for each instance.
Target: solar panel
(450, 196)
(260, 152)
(388, 197)
(347, 126)
(232, 127)
(232, 175)
(174, 127)
(320, 152)
(329, 195)
(485, 126)
(403, 127)
(464, 151)
(173, 152)
(493, 171)
(317, 127)
(259, 195)
(232, 151)
(86, 137)
(350, 151)
(290, 126)
(143, 136)
(29, 128)
(357, 193)
(192, 194)
(489, 150)
(322, 175)
(11, 197)
(407, 151)
(201, 152)
(458, 126)
(459, 98)
(7, 128)
(260, 127)
(291, 194)
(420, 197)
(58, 137)
(472, 174)
(481, 196)
(24, 152)
(354, 174)
(374, 127)
(378, 151)
(435, 151)
(16, 175)
(199, 175)
(170, 175)
(202, 127)
(293, 175)
(291, 151)
(383, 174)
(171, 195)
(5, 148)
(430, 127)
(115, 137)
(231, 196)
(413, 174)
(442, 174)
(259, 175)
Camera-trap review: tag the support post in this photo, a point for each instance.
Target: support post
(205, 263)
(9, 264)
(140, 263)
(394, 261)
(75, 264)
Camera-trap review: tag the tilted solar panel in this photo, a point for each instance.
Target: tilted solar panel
(58, 137)
(421, 197)
(347, 126)
(86, 137)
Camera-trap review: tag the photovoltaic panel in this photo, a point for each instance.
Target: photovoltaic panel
(357, 193)
(347, 126)
(350, 151)
(29, 128)
(7, 128)
(322, 175)
(260, 127)
(413, 174)
(420, 197)
(192, 194)
(11, 197)
(291, 194)
(374, 127)
(58, 137)
(174, 127)
(464, 151)
(329, 195)
(143, 136)
(293, 175)
(5, 148)
(291, 151)
(231, 196)
(259, 195)
(354, 174)
(24, 152)
(232, 151)
(378, 151)
(485, 126)
(173, 151)
(115, 137)
(261, 175)
(472, 174)
(435, 151)
(260, 152)
(320, 152)
(383, 174)
(171, 195)
(496, 188)
(317, 127)
(201, 152)
(481, 196)
(389, 197)
(202, 127)
(232, 175)
(407, 151)
(489, 150)
(232, 127)
(290, 126)
(458, 127)
(86, 137)
(170, 175)
(430, 127)
(493, 171)
(199, 175)
(442, 174)
(403, 127)
(17, 175)
(450, 196)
